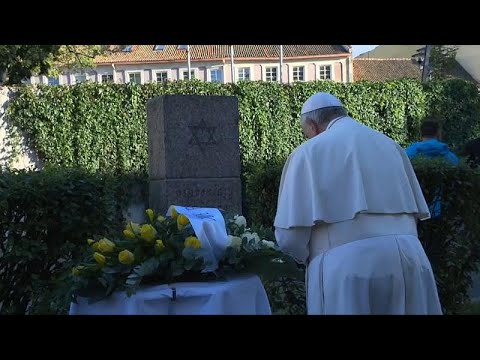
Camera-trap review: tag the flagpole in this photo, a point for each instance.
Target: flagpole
(232, 68)
(188, 63)
(281, 64)
(426, 64)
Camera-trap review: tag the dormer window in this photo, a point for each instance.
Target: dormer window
(159, 47)
(182, 47)
(128, 48)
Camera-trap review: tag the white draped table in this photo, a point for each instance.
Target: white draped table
(239, 295)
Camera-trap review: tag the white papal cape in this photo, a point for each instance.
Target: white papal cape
(348, 205)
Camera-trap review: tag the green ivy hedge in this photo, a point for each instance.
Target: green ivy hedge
(102, 127)
(45, 219)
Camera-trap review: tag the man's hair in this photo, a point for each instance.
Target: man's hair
(324, 115)
(429, 128)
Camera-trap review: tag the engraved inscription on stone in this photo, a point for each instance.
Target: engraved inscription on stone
(197, 197)
(193, 194)
(202, 135)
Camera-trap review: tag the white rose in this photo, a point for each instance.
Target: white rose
(235, 242)
(269, 244)
(251, 236)
(240, 221)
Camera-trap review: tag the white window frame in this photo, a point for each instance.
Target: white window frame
(332, 72)
(265, 73)
(57, 77)
(237, 68)
(73, 79)
(215, 68)
(127, 76)
(155, 72)
(182, 70)
(304, 66)
(100, 80)
(155, 47)
(182, 47)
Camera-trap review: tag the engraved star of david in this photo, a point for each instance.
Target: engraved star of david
(206, 131)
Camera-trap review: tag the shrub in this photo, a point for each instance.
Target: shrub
(44, 218)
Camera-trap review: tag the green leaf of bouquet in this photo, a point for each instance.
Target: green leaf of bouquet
(271, 264)
(188, 253)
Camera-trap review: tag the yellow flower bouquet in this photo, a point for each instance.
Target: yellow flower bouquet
(166, 250)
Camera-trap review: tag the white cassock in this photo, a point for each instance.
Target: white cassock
(348, 207)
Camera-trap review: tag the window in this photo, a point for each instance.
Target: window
(182, 47)
(128, 48)
(298, 73)
(216, 75)
(135, 77)
(271, 74)
(161, 76)
(159, 47)
(185, 74)
(244, 73)
(107, 78)
(53, 81)
(325, 72)
(80, 78)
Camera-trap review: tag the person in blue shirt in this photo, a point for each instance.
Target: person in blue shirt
(432, 147)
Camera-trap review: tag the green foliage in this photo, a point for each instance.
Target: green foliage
(44, 217)
(471, 309)
(19, 62)
(442, 60)
(456, 104)
(287, 296)
(451, 241)
(103, 126)
(261, 191)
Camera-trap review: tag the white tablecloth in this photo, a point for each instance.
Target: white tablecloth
(239, 295)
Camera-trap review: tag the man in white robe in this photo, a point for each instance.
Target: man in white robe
(348, 207)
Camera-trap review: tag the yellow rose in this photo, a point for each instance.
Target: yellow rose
(148, 232)
(159, 245)
(99, 258)
(128, 234)
(76, 270)
(126, 257)
(90, 241)
(134, 227)
(173, 212)
(95, 246)
(160, 218)
(182, 221)
(150, 214)
(192, 242)
(106, 246)
(235, 242)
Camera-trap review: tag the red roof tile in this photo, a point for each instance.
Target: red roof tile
(146, 53)
(385, 69)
